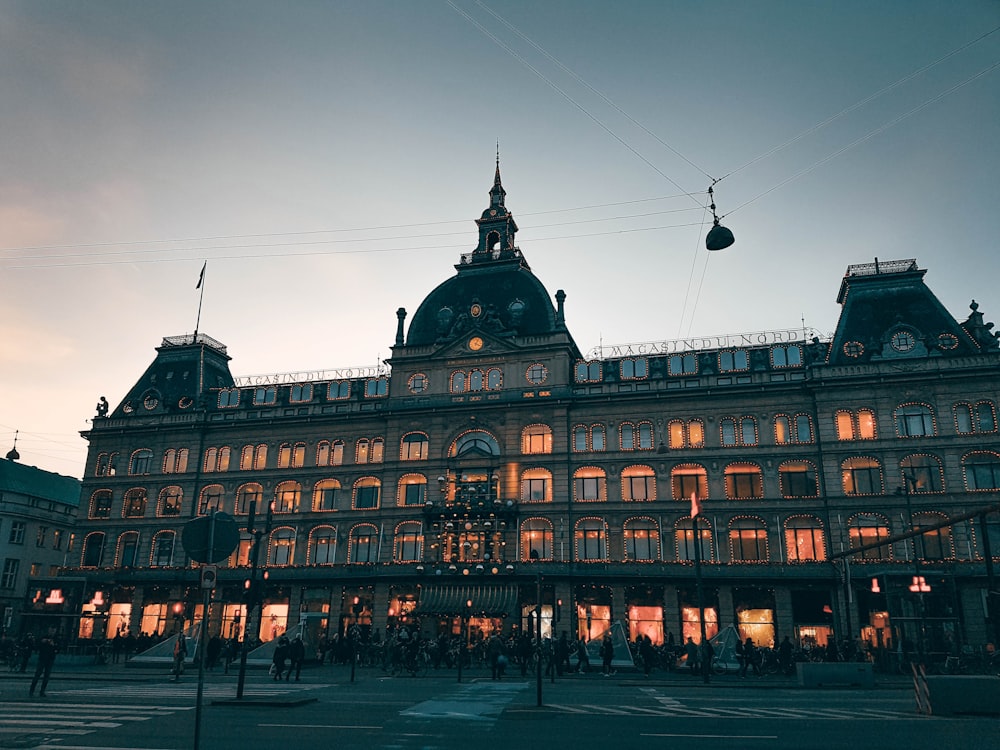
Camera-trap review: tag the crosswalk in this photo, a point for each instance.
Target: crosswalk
(671, 708)
(187, 690)
(39, 724)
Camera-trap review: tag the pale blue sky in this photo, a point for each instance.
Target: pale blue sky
(131, 128)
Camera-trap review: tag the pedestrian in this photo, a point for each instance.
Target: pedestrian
(494, 650)
(707, 654)
(785, 656)
(212, 652)
(296, 655)
(46, 658)
(279, 658)
(832, 653)
(24, 649)
(562, 654)
(180, 654)
(750, 658)
(607, 653)
(647, 653)
(691, 652)
(582, 657)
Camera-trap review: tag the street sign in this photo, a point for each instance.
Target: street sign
(210, 539)
(209, 575)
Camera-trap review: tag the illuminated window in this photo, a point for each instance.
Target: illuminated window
(685, 536)
(412, 490)
(536, 539)
(211, 499)
(688, 479)
(591, 538)
(590, 485)
(323, 545)
(408, 542)
(686, 434)
(100, 504)
(744, 481)
(642, 539)
(982, 471)
(135, 503)
(914, 420)
(175, 461)
(171, 501)
(330, 454)
(798, 479)
(792, 429)
(868, 528)
(105, 466)
(363, 547)
(291, 456)
(804, 540)
(747, 540)
(282, 550)
(286, 497)
(265, 396)
(536, 438)
(536, 486)
(413, 447)
(249, 495)
(638, 483)
(253, 457)
(859, 425)
(474, 443)
(861, 476)
(367, 491)
(216, 459)
(325, 494)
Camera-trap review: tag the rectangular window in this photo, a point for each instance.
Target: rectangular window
(8, 579)
(265, 396)
(40, 536)
(57, 539)
(301, 393)
(366, 498)
(589, 488)
(414, 494)
(534, 490)
(682, 364)
(16, 532)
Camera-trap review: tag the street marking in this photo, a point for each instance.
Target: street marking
(715, 736)
(323, 726)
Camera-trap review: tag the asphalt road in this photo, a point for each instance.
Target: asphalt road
(142, 710)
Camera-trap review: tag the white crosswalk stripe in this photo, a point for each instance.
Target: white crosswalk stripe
(51, 720)
(677, 710)
(184, 690)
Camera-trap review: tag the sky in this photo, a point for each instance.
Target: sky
(328, 159)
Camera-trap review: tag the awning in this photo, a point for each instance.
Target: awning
(487, 600)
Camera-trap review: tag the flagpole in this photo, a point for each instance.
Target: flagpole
(201, 285)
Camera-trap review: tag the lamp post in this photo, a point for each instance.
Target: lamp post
(463, 634)
(252, 587)
(538, 636)
(919, 585)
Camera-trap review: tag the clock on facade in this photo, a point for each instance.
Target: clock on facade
(475, 343)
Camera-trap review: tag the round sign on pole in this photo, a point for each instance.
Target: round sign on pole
(210, 539)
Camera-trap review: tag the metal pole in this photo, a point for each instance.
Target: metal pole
(538, 635)
(251, 600)
(706, 666)
(205, 601)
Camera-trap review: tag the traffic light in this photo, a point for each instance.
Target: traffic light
(875, 587)
(209, 576)
(558, 610)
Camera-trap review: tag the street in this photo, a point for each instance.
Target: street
(142, 710)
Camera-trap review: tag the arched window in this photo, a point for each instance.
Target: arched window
(128, 545)
(804, 540)
(933, 544)
(367, 492)
(795, 429)
(687, 480)
(982, 471)
(100, 504)
(291, 456)
(868, 528)
(135, 503)
(590, 484)
(408, 542)
(914, 420)
(588, 372)
(338, 390)
(93, 550)
(973, 418)
(636, 436)
(536, 486)
(536, 438)
(211, 498)
(300, 393)
(786, 356)
(536, 539)
(494, 379)
(247, 495)
(859, 425)
(744, 481)
(171, 502)
(162, 555)
(325, 495)
(797, 479)
(738, 431)
(322, 545)
(685, 539)
(475, 442)
(287, 496)
(363, 546)
(413, 447)
(330, 453)
(459, 382)
(140, 461)
(861, 476)
(591, 540)
(748, 540)
(412, 490)
(105, 466)
(175, 461)
(922, 473)
(689, 434)
(253, 457)
(281, 551)
(642, 539)
(638, 483)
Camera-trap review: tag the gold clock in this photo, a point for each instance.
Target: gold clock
(475, 343)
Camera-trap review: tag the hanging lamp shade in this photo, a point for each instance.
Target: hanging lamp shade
(719, 237)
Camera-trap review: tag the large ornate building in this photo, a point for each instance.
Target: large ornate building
(493, 461)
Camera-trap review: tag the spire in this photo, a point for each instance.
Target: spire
(12, 454)
(497, 193)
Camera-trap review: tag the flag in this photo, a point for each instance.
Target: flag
(201, 276)
(695, 505)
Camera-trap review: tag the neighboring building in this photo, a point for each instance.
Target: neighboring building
(37, 515)
(494, 451)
